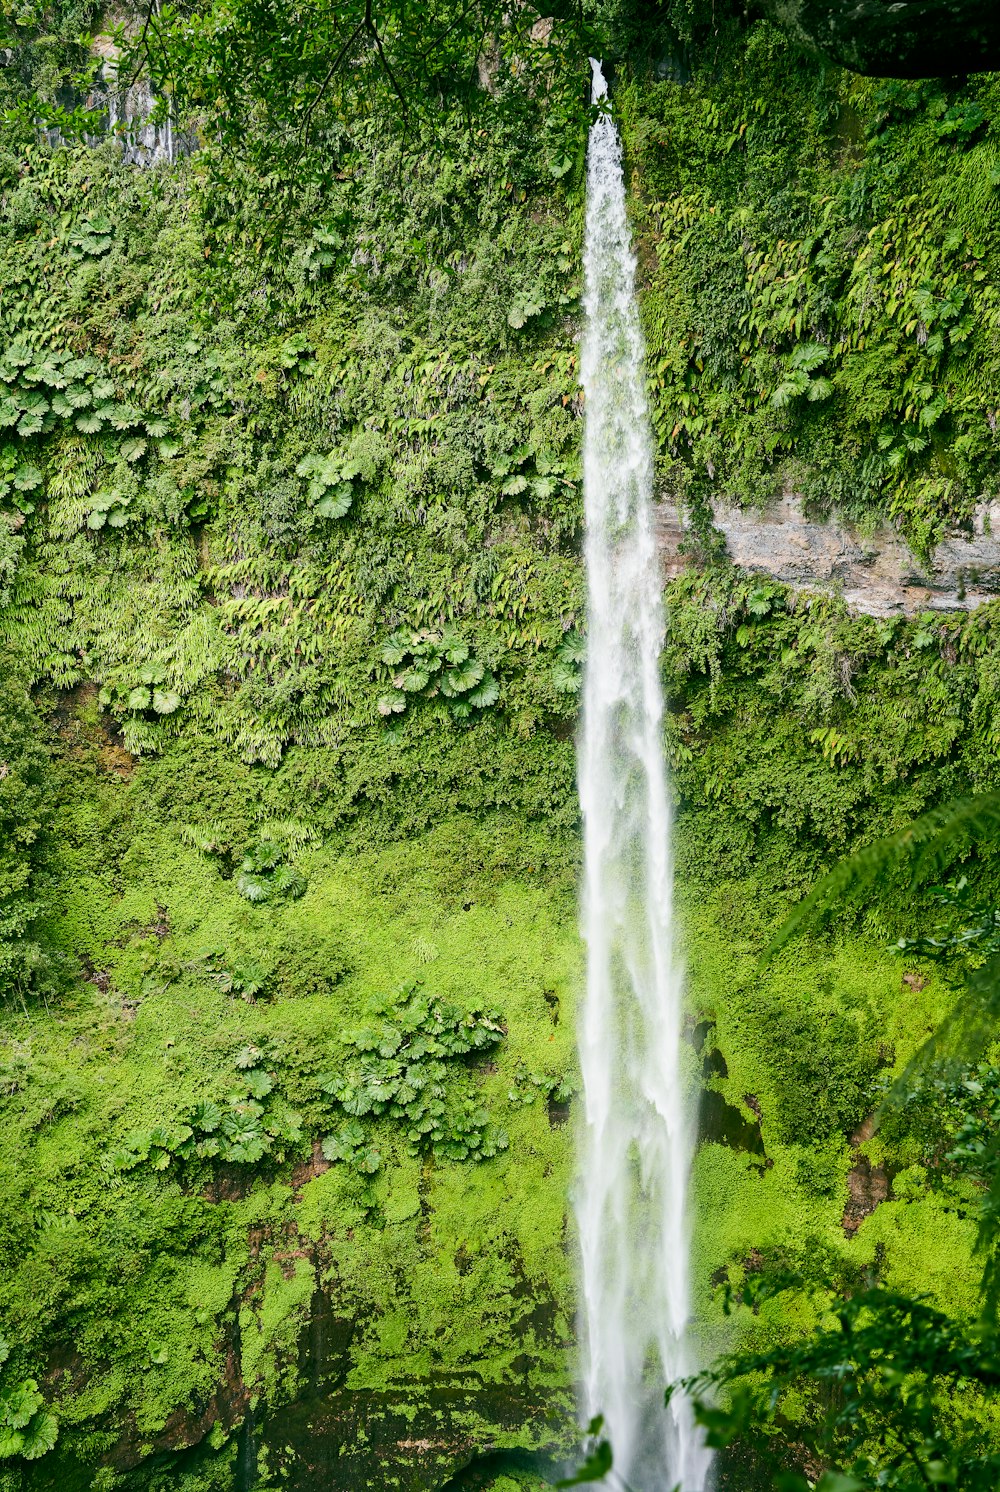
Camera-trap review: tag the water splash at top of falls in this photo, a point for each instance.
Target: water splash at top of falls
(635, 1148)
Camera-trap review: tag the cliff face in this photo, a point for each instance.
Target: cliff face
(268, 492)
(874, 572)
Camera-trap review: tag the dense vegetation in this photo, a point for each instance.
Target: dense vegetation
(290, 606)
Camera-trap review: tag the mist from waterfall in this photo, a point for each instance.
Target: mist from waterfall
(635, 1147)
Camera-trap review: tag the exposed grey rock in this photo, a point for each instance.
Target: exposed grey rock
(875, 573)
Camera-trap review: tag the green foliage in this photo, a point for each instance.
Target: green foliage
(898, 1375)
(825, 1072)
(820, 302)
(436, 664)
(253, 1122)
(27, 1428)
(26, 803)
(403, 1074)
(266, 864)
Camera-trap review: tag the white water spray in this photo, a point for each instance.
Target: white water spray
(635, 1148)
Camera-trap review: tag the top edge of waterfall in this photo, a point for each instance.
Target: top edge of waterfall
(599, 83)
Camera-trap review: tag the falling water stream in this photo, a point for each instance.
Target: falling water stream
(635, 1146)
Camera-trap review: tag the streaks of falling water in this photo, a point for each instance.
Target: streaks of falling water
(635, 1145)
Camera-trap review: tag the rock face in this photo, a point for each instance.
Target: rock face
(875, 573)
(897, 38)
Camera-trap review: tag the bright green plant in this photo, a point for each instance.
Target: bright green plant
(436, 664)
(401, 1072)
(27, 1428)
(331, 479)
(252, 1122)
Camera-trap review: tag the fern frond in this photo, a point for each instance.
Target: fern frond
(926, 845)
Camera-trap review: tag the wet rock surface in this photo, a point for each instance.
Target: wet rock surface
(867, 1185)
(876, 573)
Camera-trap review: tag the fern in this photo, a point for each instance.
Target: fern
(926, 846)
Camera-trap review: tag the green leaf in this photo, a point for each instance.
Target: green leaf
(566, 679)
(336, 501)
(26, 478)
(487, 694)
(206, 1116)
(139, 698)
(122, 416)
(598, 1463)
(88, 423)
(19, 1403)
(40, 1436)
(134, 448)
(165, 702)
(252, 887)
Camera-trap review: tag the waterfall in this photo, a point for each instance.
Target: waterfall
(635, 1146)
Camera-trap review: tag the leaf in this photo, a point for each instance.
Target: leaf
(290, 882)
(122, 416)
(139, 698)
(157, 427)
(259, 1084)
(26, 478)
(165, 702)
(391, 704)
(251, 887)
(925, 846)
(598, 1463)
(247, 1057)
(134, 448)
(19, 1404)
(40, 1436)
(566, 679)
(336, 502)
(89, 423)
(396, 648)
(462, 677)
(206, 1116)
(487, 693)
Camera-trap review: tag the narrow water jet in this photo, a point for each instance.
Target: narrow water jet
(635, 1147)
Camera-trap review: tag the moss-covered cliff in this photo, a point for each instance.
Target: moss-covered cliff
(289, 563)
